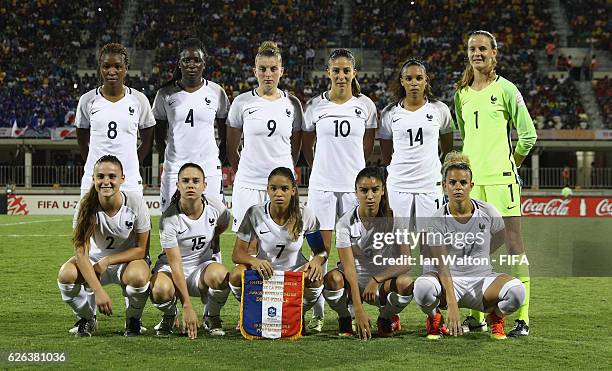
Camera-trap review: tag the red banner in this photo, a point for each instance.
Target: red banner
(588, 207)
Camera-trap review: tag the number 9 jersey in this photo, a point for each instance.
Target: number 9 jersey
(114, 130)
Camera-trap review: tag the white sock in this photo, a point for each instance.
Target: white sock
(338, 301)
(311, 296)
(137, 297)
(168, 308)
(236, 291)
(318, 309)
(216, 300)
(394, 305)
(426, 293)
(76, 297)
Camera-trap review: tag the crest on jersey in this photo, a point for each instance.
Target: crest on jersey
(131, 110)
(288, 112)
(129, 224)
(207, 101)
(481, 226)
(429, 117)
(358, 112)
(493, 99)
(211, 221)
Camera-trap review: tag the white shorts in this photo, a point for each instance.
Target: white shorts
(415, 206)
(112, 274)
(329, 206)
(469, 291)
(362, 281)
(242, 200)
(214, 187)
(192, 274)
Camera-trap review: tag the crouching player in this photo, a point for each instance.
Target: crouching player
(187, 230)
(279, 226)
(463, 276)
(362, 273)
(110, 238)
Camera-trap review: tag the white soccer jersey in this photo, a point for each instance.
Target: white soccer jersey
(192, 237)
(267, 127)
(275, 245)
(415, 166)
(471, 242)
(191, 125)
(339, 151)
(115, 234)
(351, 233)
(114, 131)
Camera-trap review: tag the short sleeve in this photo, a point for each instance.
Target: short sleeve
(224, 217)
(298, 117)
(159, 107)
(308, 123)
(343, 235)
(143, 219)
(311, 224)
(245, 231)
(223, 104)
(497, 222)
(446, 122)
(146, 119)
(435, 227)
(234, 117)
(372, 119)
(81, 119)
(168, 231)
(385, 131)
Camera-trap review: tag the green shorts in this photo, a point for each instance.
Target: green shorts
(505, 197)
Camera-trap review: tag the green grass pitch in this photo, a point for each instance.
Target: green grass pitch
(570, 322)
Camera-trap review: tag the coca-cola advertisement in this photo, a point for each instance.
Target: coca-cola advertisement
(588, 207)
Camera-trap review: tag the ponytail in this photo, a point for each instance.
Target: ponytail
(86, 218)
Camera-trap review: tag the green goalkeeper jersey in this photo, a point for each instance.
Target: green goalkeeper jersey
(485, 119)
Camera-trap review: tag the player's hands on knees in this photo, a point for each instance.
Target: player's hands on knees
(104, 303)
(101, 265)
(364, 327)
(369, 294)
(313, 271)
(263, 267)
(190, 322)
(453, 320)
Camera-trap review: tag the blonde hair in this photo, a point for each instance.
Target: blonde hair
(456, 160)
(269, 49)
(468, 74)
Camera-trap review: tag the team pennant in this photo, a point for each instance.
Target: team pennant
(272, 308)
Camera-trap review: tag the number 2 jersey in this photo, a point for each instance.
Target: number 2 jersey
(267, 127)
(339, 149)
(114, 131)
(274, 243)
(191, 125)
(115, 234)
(415, 166)
(193, 237)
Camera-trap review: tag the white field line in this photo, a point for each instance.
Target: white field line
(32, 222)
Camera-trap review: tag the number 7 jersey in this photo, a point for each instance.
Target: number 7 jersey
(114, 131)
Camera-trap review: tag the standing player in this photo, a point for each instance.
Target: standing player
(279, 226)
(363, 273)
(409, 134)
(343, 122)
(111, 229)
(465, 279)
(187, 266)
(487, 106)
(186, 110)
(270, 120)
(109, 119)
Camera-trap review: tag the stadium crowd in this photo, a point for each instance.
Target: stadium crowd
(590, 23)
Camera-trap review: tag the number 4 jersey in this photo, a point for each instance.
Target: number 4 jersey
(114, 131)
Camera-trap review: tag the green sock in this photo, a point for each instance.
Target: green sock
(521, 272)
(478, 315)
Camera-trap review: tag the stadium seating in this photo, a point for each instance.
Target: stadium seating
(590, 23)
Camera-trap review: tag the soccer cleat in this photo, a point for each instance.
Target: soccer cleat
(345, 327)
(496, 324)
(166, 326)
(384, 327)
(214, 325)
(471, 324)
(520, 329)
(132, 327)
(396, 324)
(85, 327)
(315, 324)
(75, 328)
(434, 326)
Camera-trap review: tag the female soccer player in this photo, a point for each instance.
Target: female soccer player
(487, 106)
(186, 110)
(111, 229)
(475, 229)
(109, 119)
(364, 272)
(279, 227)
(271, 121)
(342, 121)
(409, 134)
(187, 266)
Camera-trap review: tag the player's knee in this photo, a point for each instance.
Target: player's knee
(67, 274)
(313, 284)
(333, 280)
(216, 277)
(426, 290)
(511, 296)
(137, 277)
(405, 284)
(235, 277)
(162, 292)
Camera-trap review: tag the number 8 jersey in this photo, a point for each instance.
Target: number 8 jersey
(339, 150)
(114, 130)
